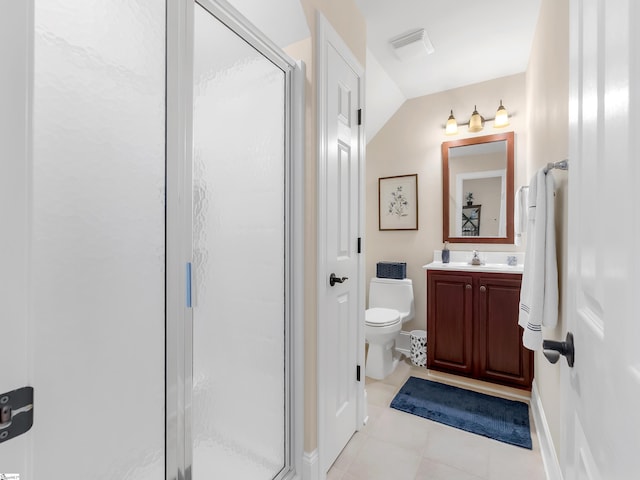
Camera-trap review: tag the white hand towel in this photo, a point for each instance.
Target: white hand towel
(520, 214)
(539, 292)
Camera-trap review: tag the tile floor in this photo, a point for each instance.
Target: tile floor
(399, 446)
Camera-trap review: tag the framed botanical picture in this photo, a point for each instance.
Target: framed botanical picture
(398, 202)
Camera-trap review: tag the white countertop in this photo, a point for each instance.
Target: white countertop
(465, 267)
(493, 262)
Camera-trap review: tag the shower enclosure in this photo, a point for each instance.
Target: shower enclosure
(240, 260)
(154, 242)
(243, 255)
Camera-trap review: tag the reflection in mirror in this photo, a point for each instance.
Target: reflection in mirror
(478, 177)
(470, 221)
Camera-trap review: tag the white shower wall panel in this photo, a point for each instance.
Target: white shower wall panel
(239, 258)
(15, 77)
(97, 249)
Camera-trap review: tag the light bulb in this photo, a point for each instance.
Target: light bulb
(502, 117)
(476, 122)
(452, 125)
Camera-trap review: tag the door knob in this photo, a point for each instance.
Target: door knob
(553, 349)
(333, 279)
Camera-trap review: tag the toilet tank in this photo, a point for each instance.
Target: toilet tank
(390, 293)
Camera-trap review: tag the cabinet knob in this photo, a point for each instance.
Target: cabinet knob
(483, 288)
(468, 286)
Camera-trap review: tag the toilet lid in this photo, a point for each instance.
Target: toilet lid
(381, 317)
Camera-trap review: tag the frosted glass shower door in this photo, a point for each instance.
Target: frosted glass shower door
(239, 408)
(86, 227)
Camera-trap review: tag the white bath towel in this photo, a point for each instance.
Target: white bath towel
(520, 214)
(539, 292)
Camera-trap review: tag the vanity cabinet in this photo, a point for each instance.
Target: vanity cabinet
(472, 327)
(450, 322)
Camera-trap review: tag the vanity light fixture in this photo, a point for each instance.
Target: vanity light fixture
(502, 117)
(452, 125)
(477, 121)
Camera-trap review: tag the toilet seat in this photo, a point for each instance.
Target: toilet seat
(381, 317)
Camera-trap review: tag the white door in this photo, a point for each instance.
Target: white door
(341, 305)
(85, 238)
(601, 393)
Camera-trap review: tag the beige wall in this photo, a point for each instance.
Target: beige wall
(547, 124)
(410, 143)
(347, 20)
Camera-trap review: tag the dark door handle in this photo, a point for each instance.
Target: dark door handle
(333, 279)
(553, 349)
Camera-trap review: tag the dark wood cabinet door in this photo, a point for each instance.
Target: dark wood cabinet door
(449, 322)
(500, 354)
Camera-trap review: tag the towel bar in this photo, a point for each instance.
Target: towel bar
(561, 165)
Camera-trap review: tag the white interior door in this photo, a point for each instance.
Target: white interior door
(87, 205)
(340, 318)
(601, 393)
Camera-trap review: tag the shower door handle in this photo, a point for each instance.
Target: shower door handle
(333, 279)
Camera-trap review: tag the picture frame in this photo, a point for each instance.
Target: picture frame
(398, 202)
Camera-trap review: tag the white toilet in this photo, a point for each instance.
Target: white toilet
(390, 305)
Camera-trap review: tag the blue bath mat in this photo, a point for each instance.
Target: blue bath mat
(493, 417)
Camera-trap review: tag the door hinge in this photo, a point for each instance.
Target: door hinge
(358, 373)
(359, 245)
(16, 413)
(359, 116)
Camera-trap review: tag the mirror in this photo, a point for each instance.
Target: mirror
(477, 184)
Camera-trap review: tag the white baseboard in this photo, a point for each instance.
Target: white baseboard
(310, 466)
(547, 450)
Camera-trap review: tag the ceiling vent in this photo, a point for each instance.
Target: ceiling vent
(412, 44)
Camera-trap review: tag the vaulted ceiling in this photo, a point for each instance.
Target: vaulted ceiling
(473, 40)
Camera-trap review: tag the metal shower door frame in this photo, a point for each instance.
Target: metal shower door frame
(179, 224)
